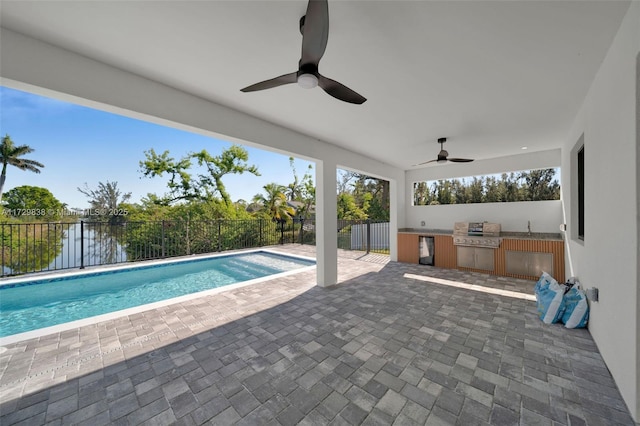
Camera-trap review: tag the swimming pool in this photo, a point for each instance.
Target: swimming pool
(29, 305)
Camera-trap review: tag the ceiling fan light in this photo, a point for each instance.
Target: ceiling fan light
(442, 160)
(307, 81)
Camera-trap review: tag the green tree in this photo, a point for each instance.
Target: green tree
(274, 203)
(306, 210)
(231, 161)
(420, 194)
(532, 185)
(494, 192)
(512, 187)
(348, 209)
(183, 186)
(371, 195)
(540, 185)
(40, 201)
(294, 189)
(10, 154)
(304, 190)
(445, 195)
(180, 183)
(459, 193)
(475, 190)
(106, 200)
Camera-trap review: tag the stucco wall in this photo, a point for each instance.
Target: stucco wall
(608, 257)
(545, 216)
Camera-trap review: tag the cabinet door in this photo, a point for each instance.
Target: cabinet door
(517, 262)
(466, 257)
(484, 258)
(528, 263)
(539, 262)
(408, 248)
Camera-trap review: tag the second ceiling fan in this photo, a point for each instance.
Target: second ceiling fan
(314, 27)
(443, 156)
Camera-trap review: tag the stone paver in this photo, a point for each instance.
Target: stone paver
(391, 344)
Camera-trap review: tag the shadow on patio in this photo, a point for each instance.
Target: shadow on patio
(379, 348)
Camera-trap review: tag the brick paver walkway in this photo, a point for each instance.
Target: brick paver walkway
(386, 346)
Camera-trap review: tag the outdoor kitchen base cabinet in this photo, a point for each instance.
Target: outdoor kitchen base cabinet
(528, 263)
(476, 258)
(523, 258)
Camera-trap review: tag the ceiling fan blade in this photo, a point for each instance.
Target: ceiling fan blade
(274, 82)
(340, 91)
(426, 162)
(316, 32)
(459, 160)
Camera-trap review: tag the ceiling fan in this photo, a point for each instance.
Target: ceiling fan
(443, 156)
(314, 27)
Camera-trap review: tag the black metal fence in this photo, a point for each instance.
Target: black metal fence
(39, 247)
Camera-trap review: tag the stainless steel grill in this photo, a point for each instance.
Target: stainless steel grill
(477, 234)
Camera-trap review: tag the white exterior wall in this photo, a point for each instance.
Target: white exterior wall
(545, 216)
(38, 67)
(608, 257)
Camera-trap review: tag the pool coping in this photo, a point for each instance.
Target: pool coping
(33, 334)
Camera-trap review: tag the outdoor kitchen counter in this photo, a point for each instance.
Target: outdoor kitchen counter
(424, 231)
(533, 236)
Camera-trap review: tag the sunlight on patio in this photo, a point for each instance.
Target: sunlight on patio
(473, 287)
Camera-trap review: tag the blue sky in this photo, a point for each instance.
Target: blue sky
(78, 144)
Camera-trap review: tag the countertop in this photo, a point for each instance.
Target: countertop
(425, 231)
(509, 235)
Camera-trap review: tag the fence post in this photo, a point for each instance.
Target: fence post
(301, 231)
(368, 236)
(260, 233)
(219, 235)
(82, 244)
(3, 244)
(281, 232)
(162, 247)
(188, 248)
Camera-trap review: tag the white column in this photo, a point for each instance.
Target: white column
(396, 215)
(326, 224)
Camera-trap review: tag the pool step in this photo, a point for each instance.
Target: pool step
(245, 269)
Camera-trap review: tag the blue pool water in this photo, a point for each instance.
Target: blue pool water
(42, 303)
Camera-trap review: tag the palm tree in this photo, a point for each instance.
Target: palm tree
(293, 190)
(275, 202)
(10, 155)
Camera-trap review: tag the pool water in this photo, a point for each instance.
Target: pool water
(43, 303)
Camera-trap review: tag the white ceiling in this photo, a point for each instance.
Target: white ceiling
(490, 76)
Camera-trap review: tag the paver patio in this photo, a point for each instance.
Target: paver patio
(391, 344)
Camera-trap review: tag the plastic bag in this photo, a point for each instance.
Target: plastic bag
(550, 299)
(576, 312)
(543, 282)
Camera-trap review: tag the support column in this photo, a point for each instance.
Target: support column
(396, 215)
(326, 224)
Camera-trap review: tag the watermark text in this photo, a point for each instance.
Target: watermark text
(64, 212)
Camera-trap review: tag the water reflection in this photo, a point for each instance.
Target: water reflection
(52, 246)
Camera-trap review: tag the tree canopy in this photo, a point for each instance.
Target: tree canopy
(362, 197)
(183, 186)
(32, 203)
(105, 201)
(274, 203)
